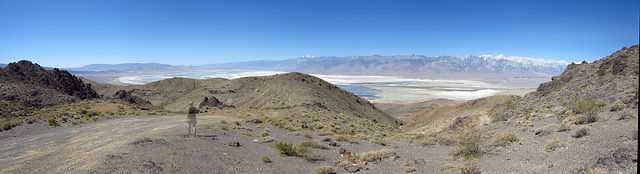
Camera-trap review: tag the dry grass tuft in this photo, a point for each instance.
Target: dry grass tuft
(505, 139)
(469, 144)
(375, 155)
(323, 169)
(581, 133)
(553, 144)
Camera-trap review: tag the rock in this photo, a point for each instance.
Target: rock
(149, 164)
(363, 167)
(234, 143)
(409, 169)
(352, 168)
(211, 102)
(326, 139)
(333, 143)
(134, 100)
(420, 161)
(342, 150)
(113, 156)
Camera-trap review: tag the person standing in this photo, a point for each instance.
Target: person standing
(191, 118)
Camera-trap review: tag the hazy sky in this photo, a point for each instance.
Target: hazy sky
(76, 33)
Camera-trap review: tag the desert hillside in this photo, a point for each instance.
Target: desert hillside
(267, 92)
(436, 119)
(26, 86)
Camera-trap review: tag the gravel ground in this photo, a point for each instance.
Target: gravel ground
(159, 144)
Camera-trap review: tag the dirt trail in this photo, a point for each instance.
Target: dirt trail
(43, 149)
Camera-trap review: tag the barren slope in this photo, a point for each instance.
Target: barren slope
(436, 119)
(266, 92)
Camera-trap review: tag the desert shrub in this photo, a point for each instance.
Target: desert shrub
(87, 107)
(74, 123)
(428, 143)
(564, 127)
(446, 140)
(94, 118)
(53, 122)
(380, 141)
(207, 127)
(235, 126)
(626, 114)
(617, 106)
(581, 120)
(469, 144)
(246, 133)
(375, 155)
(588, 107)
(345, 138)
(223, 121)
(505, 139)
(224, 127)
(307, 134)
(602, 72)
(289, 150)
(580, 133)
(553, 144)
(150, 113)
(6, 126)
(323, 169)
(265, 159)
(470, 168)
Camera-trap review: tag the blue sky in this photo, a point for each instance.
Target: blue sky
(76, 33)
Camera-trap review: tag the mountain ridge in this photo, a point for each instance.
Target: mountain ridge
(411, 65)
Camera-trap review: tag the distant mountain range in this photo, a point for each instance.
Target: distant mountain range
(410, 66)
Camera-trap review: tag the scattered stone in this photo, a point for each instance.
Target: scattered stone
(333, 144)
(113, 156)
(352, 168)
(326, 139)
(409, 169)
(253, 120)
(342, 150)
(420, 161)
(234, 143)
(149, 164)
(363, 167)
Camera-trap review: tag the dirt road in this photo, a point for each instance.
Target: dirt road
(40, 148)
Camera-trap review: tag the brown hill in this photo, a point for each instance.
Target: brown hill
(400, 110)
(610, 83)
(24, 84)
(436, 119)
(267, 92)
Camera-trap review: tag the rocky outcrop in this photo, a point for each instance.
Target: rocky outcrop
(134, 100)
(25, 84)
(611, 83)
(27, 72)
(211, 102)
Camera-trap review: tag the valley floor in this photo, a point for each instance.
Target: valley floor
(159, 144)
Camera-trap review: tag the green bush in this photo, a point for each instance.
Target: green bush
(588, 107)
(289, 150)
(6, 126)
(53, 122)
(265, 159)
(469, 144)
(286, 148)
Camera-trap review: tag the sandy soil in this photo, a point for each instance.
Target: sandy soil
(116, 145)
(159, 144)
